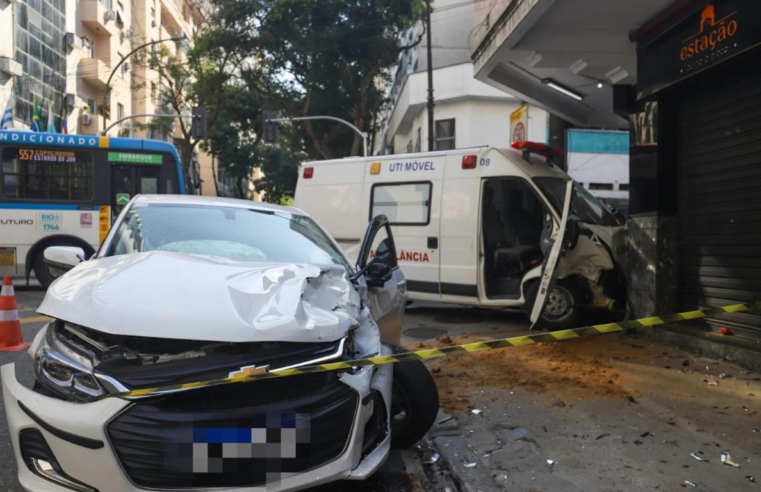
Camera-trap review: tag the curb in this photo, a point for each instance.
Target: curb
(453, 450)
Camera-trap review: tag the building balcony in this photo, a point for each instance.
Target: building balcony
(172, 18)
(94, 71)
(97, 17)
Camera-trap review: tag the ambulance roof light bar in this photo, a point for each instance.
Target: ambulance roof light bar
(529, 148)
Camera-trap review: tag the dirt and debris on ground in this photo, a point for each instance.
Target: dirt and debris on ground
(595, 414)
(567, 367)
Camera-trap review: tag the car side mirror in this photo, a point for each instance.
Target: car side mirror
(377, 274)
(61, 259)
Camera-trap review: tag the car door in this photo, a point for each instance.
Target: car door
(386, 285)
(551, 260)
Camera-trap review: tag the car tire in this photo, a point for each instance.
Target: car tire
(414, 402)
(561, 312)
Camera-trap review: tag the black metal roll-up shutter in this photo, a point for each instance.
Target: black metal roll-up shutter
(719, 159)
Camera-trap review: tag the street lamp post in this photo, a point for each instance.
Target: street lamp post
(107, 101)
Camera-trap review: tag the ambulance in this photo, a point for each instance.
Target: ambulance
(486, 227)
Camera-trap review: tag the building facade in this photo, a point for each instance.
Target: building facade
(467, 112)
(63, 55)
(683, 77)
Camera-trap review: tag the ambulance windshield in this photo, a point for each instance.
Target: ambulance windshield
(585, 206)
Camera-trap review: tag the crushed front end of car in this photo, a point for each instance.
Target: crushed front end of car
(114, 331)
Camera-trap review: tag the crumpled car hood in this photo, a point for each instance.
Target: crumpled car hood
(192, 297)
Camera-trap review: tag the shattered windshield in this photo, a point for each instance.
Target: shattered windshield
(230, 232)
(585, 206)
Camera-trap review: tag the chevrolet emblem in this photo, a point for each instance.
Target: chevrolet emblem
(249, 371)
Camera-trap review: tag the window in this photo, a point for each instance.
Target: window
(107, 3)
(623, 187)
(417, 141)
(402, 203)
(445, 138)
(47, 174)
(123, 67)
(409, 146)
(119, 111)
(583, 205)
(119, 14)
(153, 92)
(91, 105)
(601, 186)
(88, 47)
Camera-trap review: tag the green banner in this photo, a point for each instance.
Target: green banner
(135, 158)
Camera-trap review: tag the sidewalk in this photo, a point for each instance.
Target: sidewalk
(595, 414)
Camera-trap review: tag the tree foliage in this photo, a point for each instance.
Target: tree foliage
(299, 57)
(327, 57)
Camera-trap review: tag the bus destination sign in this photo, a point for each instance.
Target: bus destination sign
(135, 158)
(40, 155)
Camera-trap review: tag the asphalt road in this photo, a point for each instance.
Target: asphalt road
(389, 479)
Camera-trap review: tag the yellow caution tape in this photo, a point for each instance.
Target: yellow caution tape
(555, 336)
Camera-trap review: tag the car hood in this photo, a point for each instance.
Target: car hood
(193, 297)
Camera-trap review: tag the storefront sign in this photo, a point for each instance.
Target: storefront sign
(713, 33)
(519, 125)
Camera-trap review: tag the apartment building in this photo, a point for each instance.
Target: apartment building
(467, 113)
(63, 54)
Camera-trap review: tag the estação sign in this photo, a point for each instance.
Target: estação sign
(713, 33)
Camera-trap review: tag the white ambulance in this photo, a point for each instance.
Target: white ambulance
(482, 227)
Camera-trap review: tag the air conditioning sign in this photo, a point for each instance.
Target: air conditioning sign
(712, 34)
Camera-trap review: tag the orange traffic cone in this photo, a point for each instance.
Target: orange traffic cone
(11, 339)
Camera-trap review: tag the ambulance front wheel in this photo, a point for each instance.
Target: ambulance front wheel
(561, 311)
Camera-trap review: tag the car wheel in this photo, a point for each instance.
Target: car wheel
(561, 311)
(414, 402)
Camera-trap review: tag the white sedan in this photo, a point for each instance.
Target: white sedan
(190, 289)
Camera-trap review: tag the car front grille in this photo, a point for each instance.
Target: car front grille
(234, 435)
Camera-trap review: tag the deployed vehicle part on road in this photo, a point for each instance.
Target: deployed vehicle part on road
(476, 227)
(193, 289)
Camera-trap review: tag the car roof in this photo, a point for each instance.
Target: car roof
(214, 201)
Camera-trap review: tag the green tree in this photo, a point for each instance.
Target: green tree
(327, 57)
(304, 57)
(201, 71)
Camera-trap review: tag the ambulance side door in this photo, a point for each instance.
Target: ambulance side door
(407, 190)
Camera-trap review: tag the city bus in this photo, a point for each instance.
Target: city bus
(65, 190)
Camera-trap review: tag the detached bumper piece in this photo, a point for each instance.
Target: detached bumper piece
(41, 461)
(236, 435)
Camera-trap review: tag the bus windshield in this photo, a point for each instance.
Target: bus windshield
(584, 205)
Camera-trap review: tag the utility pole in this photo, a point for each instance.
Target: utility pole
(430, 74)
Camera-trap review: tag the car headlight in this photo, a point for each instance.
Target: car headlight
(64, 368)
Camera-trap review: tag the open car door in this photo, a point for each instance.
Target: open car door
(551, 260)
(386, 285)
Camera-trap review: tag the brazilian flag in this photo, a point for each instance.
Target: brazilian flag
(36, 124)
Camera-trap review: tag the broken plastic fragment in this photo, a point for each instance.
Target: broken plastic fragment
(713, 383)
(726, 458)
(696, 456)
(476, 411)
(687, 482)
(470, 465)
(550, 462)
(433, 459)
